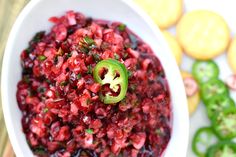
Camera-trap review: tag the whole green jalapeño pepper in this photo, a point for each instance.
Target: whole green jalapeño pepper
(116, 77)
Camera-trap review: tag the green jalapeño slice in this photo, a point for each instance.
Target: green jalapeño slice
(222, 149)
(203, 139)
(212, 88)
(203, 71)
(114, 74)
(218, 104)
(224, 124)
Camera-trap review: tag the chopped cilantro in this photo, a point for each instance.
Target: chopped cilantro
(63, 83)
(57, 94)
(89, 41)
(29, 49)
(86, 44)
(125, 55)
(78, 76)
(40, 151)
(42, 57)
(130, 73)
(90, 69)
(38, 36)
(26, 79)
(122, 27)
(133, 87)
(159, 132)
(89, 131)
(84, 49)
(68, 55)
(48, 81)
(41, 89)
(117, 57)
(45, 110)
(96, 57)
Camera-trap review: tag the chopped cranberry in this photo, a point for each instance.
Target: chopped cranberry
(96, 124)
(60, 32)
(95, 87)
(133, 53)
(38, 127)
(50, 94)
(52, 146)
(55, 128)
(70, 15)
(63, 134)
(32, 139)
(87, 140)
(138, 140)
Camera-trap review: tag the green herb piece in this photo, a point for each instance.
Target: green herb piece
(84, 49)
(90, 69)
(117, 57)
(63, 83)
(130, 73)
(89, 41)
(38, 36)
(96, 57)
(133, 87)
(42, 57)
(45, 110)
(48, 81)
(126, 55)
(89, 131)
(159, 132)
(40, 151)
(26, 79)
(79, 76)
(57, 94)
(29, 50)
(122, 27)
(68, 55)
(41, 89)
(86, 44)
(88, 101)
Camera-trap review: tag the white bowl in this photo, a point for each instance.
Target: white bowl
(34, 18)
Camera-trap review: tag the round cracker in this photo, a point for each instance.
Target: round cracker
(203, 34)
(232, 55)
(194, 100)
(174, 45)
(165, 13)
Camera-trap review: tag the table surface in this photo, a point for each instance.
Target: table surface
(9, 10)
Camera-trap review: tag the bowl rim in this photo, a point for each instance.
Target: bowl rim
(25, 11)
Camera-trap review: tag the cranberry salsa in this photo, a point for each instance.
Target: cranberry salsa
(93, 88)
